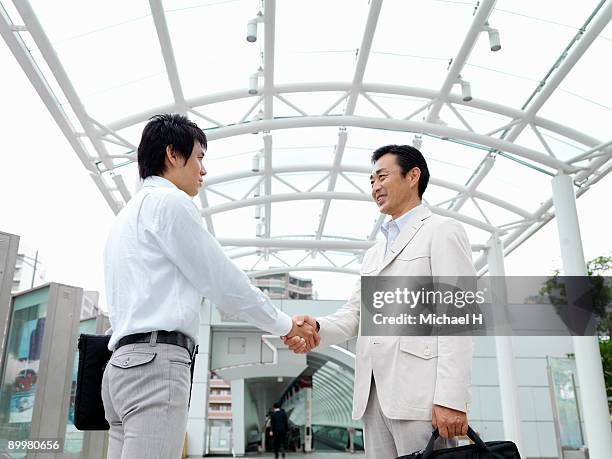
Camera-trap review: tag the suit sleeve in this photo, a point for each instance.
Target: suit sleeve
(451, 257)
(344, 323)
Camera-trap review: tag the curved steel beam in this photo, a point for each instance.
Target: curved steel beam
(319, 244)
(390, 124)
(355, 247)
(283, 197)
(366, 170)
(480, 19)
(291, 269)
(376, 88)
(273, 249)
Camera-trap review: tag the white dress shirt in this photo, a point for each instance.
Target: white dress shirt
(160, 261)
(392, 228)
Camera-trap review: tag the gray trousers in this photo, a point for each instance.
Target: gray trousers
(386, 438)
(145, 391)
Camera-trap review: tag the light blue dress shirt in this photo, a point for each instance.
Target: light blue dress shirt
(392, 228)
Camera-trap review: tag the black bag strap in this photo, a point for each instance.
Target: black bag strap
(428, 451)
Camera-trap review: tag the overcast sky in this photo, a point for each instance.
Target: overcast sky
(48, 199)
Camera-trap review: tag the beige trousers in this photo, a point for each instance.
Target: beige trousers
(386, 438)
(145, 391)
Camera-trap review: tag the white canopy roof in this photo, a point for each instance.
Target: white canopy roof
(293, 117)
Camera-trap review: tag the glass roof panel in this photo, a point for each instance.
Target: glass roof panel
(111, 54)
(314, 43)
(204, 35)
(362, 217)
(298, 147)
(413, 44)
(315, 103)
(289, 218)
(587, 92)
(517, 184)
(591, 118)
(509, 75)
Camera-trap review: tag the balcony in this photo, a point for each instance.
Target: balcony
(216, 398)
(219, 383)
(219, 414)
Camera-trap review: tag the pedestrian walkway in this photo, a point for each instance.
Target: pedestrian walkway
(313, 455)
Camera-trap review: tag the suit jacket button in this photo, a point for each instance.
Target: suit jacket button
(427, 352)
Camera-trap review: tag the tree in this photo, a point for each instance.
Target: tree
(602, 288)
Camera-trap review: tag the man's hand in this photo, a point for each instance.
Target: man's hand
(296, 341)
(449, 422)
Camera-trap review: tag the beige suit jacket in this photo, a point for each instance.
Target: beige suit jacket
(412, 373)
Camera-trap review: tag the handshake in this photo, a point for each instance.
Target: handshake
(304, 336)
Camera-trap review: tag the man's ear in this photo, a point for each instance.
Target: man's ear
(415, 175)
(171, 157)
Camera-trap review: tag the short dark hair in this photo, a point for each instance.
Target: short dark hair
(163, 130)
(407, 158)
(276, 405)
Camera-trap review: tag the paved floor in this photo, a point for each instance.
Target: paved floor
(315, 455)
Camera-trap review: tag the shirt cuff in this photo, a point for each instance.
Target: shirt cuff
(283, 324)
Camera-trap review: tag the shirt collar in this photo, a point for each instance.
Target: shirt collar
(157, 181)
(400, 222)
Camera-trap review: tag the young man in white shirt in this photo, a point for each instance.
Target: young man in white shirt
(159, 263)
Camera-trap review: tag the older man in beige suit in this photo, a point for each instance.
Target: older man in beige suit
(404, 385)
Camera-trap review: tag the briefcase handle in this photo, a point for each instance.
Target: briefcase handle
(428, 451)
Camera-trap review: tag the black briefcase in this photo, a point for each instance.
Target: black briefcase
(88, 407)
(479, 450)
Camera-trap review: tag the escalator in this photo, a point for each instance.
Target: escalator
(333, 438)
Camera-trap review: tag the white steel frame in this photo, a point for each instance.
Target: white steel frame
(586, 168)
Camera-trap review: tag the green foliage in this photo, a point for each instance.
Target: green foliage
(601, 289)
(596, 270)
(605, 349)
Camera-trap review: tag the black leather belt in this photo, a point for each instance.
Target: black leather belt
(174, 337)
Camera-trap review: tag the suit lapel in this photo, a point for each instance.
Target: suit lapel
(405, 236)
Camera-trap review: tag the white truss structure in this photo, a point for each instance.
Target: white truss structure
(91, 139)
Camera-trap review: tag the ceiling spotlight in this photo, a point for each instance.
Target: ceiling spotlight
(252, 28)
(253, 84)
(494, 41)
(257, 117)
(254, 81)
(466, 89)
(417, 141)
(257, 212)
(255, 163)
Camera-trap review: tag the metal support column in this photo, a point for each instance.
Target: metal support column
(506, 370)
(9, 245)
(56, 363)
(593, 397)
(238, 418)
(197, 420)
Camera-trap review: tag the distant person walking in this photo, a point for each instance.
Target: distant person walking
(279, 427)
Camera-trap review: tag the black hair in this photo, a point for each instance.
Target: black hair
(163, 130)
(276, 405)
(407, 158)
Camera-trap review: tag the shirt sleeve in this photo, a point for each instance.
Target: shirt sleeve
(183, 239)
